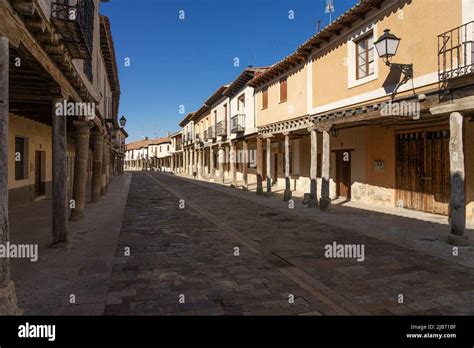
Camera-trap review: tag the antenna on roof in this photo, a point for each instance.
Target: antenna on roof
(330, 9)
(319, 25)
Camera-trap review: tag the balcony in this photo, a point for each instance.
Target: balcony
(221, 128)
(237, 123)
(74, 20)
(456, 52)
(211, 134)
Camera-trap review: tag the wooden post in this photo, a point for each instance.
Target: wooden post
(245, 161)
(60, 191)
(8, 301)
(211, 162)
(98, 142)
(314, 168)
(105, 148)
(269, 164)
(457, 219)
(325, 200)
(287, 193)
(80, 168)
(221, 160)
(259, 165)
(233, 164)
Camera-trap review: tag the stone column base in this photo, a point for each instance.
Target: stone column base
(8, 302)
(458, 240)
(324, 204)
(287, 195)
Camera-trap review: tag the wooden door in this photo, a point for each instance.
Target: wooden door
(343, 173)
(422, 170)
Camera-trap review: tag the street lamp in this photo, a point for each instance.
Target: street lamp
(123, 121)
(387, 46)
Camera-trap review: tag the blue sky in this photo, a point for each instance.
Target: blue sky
(177, 62)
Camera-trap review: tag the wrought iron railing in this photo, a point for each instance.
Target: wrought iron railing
(80, 11)
(456, 52)
(220, 128)
(211, 134)
(237, 123)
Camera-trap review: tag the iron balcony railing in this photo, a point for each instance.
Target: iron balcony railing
(237, 123)
(456, 52)
(211, 134)
(74, 20)
(221, 128)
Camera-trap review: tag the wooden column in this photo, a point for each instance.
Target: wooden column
(185, 161)
(198, 163)
(98, 154)
(259, 165)
(105, 148)
(60, 191)
(221, 159)
(8, 302)
(245, 161)
(269, 164)
(314, 168)
(325, 200)
(80, 167)
(233, 164)
(287, 193)
(457, 221)
(211, 161)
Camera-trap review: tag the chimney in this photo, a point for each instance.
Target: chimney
(146, 138)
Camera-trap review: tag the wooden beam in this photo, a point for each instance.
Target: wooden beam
(25, 8)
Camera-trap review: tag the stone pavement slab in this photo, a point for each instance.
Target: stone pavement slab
(83, 269)
(189, 254)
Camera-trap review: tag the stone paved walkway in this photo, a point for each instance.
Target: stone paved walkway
(190, 252)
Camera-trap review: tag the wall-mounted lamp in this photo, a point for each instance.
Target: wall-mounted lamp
(334, 132)
(387, 46)
(123, 121)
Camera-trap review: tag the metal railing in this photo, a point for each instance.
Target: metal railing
(211, 134)
(221, 128)
(456, 52)
(237, 123)
(80, 11)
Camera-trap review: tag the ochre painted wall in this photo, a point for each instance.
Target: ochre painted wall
(418, 23)
(38, 139)
(295, 105)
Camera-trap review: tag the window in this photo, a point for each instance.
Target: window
(365, 56)
(283, 90)
(265, 98)
(21, 170)
(241, 102)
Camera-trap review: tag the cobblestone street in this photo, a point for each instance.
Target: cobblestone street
(185, 261)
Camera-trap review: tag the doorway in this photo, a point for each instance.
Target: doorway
(422, 174)
(40, 189)
(343, 173)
